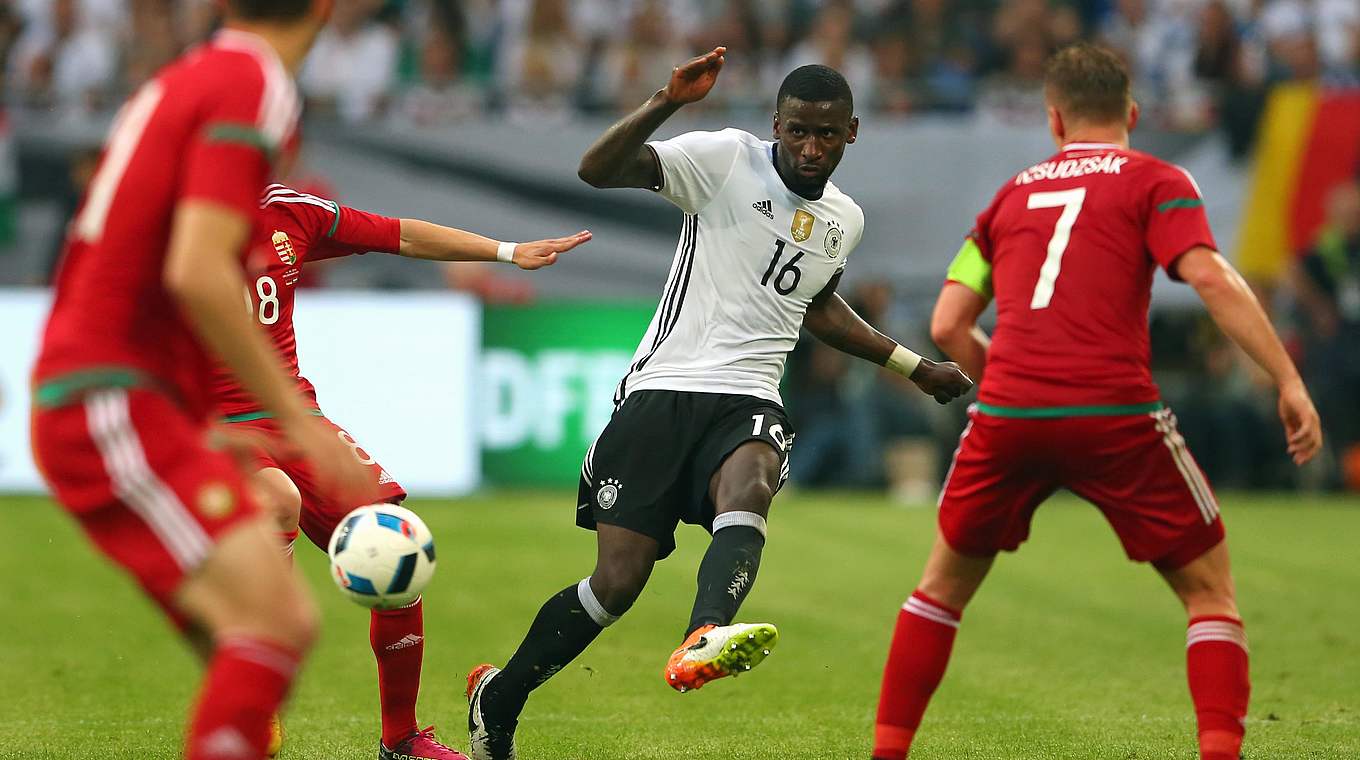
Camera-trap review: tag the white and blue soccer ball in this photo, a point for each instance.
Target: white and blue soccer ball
(382, 556)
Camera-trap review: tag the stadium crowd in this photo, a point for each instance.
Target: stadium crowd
(1196, 62)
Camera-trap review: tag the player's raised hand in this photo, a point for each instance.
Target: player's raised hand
(1302, 428)
(334, 461)
(543, 253)
(942, 380)
(691, 81)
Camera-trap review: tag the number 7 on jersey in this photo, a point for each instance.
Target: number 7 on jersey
(1070, 202)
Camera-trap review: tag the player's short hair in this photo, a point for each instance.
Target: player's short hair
(816, 83)
(270, 10)
(1088, 83)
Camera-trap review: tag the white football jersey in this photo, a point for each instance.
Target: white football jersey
(752, 255)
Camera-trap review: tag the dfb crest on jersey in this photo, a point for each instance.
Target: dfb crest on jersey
(284, 248)
(833, 240)
(609, 493)
(801, 229)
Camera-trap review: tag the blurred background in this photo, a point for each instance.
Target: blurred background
(475, 113)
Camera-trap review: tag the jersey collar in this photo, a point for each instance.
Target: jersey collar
(1090, 146)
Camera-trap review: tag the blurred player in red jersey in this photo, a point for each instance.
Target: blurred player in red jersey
(297, 228)
(1068, 248)
(149, 287)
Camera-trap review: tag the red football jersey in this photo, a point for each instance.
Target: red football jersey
(295, 228)
(207, 127)
(1073, 243)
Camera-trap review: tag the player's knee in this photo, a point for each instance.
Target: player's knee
(751, 495)
(618, 582)
(279, 496)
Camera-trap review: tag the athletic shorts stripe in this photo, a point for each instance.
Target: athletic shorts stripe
(1194, 479)
(944, 489)
(137, 485)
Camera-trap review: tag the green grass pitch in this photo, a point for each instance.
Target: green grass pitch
(1069, 651)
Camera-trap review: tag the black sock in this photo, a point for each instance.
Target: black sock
(726, 575)
(561, 632)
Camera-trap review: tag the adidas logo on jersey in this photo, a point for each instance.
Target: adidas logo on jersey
(764, 208)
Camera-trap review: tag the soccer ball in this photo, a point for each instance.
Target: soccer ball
(382, 556)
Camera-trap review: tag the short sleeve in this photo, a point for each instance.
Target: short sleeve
(230, 155)
(1176, 222)
(355, 231)
(695, 166)
(981, 234)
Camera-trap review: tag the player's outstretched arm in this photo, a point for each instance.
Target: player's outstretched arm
(621, 158)
(834, 323)
(1237, 312)
(203, 273)
(433, 242)
(954, 328)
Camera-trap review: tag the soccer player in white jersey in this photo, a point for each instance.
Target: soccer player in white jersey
(699, 434)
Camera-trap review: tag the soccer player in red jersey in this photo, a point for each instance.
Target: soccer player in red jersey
(1068, 249)
(150, 286)
(297, 228)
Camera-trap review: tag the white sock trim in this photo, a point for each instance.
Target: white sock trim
(921, 608)
(734, 519)
(1216, 630)
(594, 609)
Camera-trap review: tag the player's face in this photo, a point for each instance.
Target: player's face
(812, 138)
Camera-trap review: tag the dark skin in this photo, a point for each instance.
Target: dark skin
(811, 139)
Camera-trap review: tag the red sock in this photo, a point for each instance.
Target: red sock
(916, 662)
(246, 683)
(398, 639)
(1216, 663)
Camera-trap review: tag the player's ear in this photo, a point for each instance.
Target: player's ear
(1134, 113)
(775, 128)
(854, 130)
(1055, 124)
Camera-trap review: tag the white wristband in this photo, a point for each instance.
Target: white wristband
(506, 252)
(903, 361)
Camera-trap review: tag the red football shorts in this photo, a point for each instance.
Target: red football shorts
(321, 512)
(136, 471)
(1134, 468)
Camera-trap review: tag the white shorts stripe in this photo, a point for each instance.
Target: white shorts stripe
(135, 483)
(930, 612)
(103, 416)
(1189, 469)
(944, 488)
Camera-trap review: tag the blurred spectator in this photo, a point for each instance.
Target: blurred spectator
(1157, 39)
(353, 66)
(831, 41)
(64, 63)
(441, 95)
(640, 61)
(154, 28)
(1308, 38)
(1015, 95)
(1228, 66)
(543, 67)
(1327, 288)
